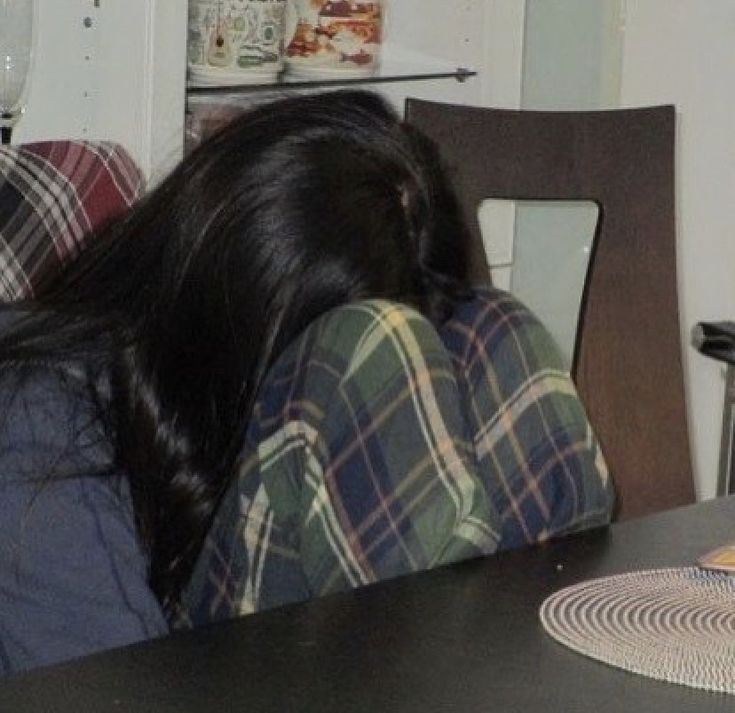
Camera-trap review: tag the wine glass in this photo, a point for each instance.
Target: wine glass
(16, 40)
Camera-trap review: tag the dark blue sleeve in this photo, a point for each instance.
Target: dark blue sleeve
(72, 574)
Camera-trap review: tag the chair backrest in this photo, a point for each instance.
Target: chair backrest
(627, 361)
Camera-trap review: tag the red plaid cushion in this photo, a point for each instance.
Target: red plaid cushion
(52, 194)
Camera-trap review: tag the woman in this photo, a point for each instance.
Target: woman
(202, 358)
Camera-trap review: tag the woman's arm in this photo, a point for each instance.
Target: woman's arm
(374, 452)
(357, 468)
(390, 485)
(536, 451)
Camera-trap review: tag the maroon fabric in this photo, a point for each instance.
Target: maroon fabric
(52, 194)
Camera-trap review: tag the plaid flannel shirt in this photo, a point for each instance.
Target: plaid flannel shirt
(380, 446)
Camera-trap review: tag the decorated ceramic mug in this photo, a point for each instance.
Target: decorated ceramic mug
(235, 41)
(333, 38)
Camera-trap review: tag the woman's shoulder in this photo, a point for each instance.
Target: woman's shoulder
(495, 325)
(504, 309)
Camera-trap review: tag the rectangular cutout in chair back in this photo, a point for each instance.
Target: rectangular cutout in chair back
(540, 251)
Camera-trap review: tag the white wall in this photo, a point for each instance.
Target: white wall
(571, 60)
(683, 52)
(91, 76)
(572, 54)
(483, 35)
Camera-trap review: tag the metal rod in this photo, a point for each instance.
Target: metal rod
(460, 74)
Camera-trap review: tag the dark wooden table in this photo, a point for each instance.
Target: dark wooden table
(463, 638)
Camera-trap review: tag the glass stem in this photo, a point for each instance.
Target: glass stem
(5, 133)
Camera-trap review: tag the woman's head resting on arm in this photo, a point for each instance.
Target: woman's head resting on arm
(295, 208)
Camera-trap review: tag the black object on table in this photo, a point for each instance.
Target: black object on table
(463, 638)
(717, 340)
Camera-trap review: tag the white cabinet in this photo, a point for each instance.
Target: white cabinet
(115, 69)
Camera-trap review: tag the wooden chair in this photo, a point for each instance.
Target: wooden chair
(627, 359)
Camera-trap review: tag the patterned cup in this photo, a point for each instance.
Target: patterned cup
(333, 38)
(235, 41)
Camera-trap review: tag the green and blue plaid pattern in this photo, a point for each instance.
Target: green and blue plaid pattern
(536, 452)
(380, 446)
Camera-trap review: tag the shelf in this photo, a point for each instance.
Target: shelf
(397, 65)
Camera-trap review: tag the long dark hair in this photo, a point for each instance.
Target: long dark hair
(297, 207)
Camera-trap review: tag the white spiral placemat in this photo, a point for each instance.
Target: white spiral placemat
(674, 625)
